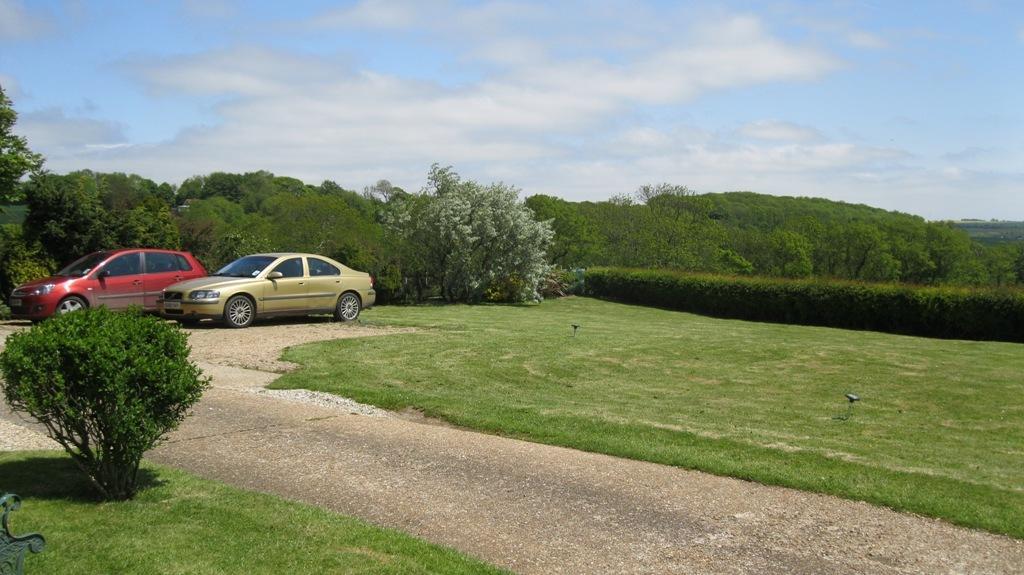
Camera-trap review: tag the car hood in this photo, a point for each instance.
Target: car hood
(56, 280)
(209, 282)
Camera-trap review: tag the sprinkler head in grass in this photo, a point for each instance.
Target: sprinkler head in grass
(575, 326)
(851, 398)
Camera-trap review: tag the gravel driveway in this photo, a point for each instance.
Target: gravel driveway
(528, 507)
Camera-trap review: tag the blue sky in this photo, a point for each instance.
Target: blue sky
(912, 106)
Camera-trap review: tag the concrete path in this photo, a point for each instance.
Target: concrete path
(538, 509)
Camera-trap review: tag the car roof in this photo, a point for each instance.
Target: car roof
(295, 254)
(301, 254)
(124, 250)
(118, 250)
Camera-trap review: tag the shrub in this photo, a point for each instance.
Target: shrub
(5, 312)
(503, 290)
(470, 241)
(107, 386)
(948, 312)
(20, 261)
(560, 283)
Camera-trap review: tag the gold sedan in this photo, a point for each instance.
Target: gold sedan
(268, 285)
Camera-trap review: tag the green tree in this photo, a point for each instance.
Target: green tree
(20, 260)
(323, 224)
(1018, 265)
(952, 251)
(232, 246)
(16, 159)
(217, 231)
(683, 235)
(149, 225)
(1000, 263)
(791, 254)
(575, 238)
(123, 192)
(858, 250)
(66, 216)
(476, 241)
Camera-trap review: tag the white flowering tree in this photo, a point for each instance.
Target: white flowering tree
(473, 242)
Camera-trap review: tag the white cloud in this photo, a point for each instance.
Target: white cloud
(52, 132)
(370, 14)
(11, 87)
(210, 9)
(776, 130)
(433, 16)
(281, 104)
(19, 23)
(552, 121)
(731, 53)
(244, 71)
(862, 39)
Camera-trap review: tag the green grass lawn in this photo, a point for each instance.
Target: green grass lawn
(182, 525)
(939, 431)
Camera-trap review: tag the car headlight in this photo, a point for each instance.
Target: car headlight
(204, 294)
(42, 290)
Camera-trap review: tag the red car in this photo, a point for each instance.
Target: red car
(116, 279)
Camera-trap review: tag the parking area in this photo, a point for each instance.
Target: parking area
(260, 346)
(257, 347)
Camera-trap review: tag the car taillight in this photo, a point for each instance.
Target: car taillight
(371, 281)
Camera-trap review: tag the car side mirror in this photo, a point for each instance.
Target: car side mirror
(274, 275)
(103, 274)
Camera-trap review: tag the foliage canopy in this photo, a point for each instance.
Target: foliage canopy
(16, 159)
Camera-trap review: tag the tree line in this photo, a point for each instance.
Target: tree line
(743, 233)
(455, 238)
(465, 241)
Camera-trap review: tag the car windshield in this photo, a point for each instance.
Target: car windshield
(247, 267)
(82, 266)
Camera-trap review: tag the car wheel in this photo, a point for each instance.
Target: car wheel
(70, 304)
(348, 307)
(239, 311)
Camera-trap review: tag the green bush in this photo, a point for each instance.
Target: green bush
(947, 312)
(20, 261)
(5, 312)
(107, 386)
(560, 283)
(504, 290)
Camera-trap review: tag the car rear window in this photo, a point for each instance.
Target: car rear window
(318, 267)
(160, 262)
(183, 263)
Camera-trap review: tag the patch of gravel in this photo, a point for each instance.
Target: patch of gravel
(324, 400)
(14, 437)
(260, 346)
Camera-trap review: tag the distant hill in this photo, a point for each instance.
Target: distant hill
(993, 232)
(765, 212)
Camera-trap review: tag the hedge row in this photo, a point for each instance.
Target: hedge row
(947, 312)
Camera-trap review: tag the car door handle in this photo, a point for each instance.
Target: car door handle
(137, 283)
(177, 278)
